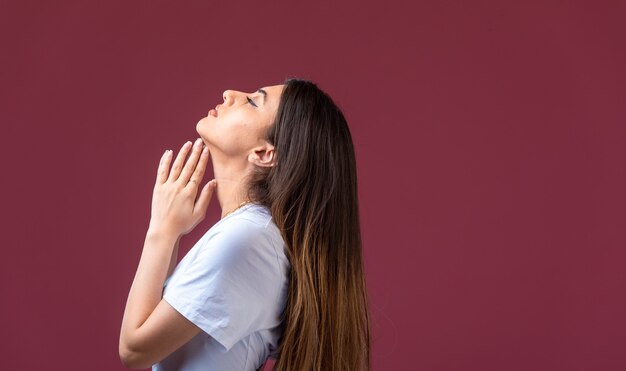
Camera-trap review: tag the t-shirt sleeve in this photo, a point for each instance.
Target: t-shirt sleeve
(229, 285)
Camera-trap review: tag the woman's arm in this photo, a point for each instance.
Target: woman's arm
(173, 259)
(147, 287)
(151, 328)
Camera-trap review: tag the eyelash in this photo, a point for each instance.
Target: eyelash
(251, 102)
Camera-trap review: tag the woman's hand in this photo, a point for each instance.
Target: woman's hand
(174, 208)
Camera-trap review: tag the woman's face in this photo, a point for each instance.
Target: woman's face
(237, 127)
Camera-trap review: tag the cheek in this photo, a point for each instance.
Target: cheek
(230, 134)
(238, 133)
(237, 127)
(233, 133)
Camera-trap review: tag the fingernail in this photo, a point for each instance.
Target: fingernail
(205, 150)
(198, 141)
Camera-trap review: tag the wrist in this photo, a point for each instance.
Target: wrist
(162, 234)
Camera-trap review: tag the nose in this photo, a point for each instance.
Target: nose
(229, 96)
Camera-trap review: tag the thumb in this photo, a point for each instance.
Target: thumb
(205, 197)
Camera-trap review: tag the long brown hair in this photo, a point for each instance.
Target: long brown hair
(312, 194)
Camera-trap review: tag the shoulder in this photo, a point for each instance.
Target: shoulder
(250, 230)
(250, 221)
(254, 213)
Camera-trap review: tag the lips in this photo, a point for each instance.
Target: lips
(213, 112)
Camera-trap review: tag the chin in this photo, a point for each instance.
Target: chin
(199, 126)
(203, 128)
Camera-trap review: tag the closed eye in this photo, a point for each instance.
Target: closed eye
(251, 101)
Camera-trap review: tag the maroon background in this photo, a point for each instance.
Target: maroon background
(490, 142)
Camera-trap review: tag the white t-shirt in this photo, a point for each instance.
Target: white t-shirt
(233, 285)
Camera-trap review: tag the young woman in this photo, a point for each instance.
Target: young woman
(280, 274)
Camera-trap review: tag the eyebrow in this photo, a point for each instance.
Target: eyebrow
(264, 94)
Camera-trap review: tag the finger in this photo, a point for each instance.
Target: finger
(178, 163)
(164, 166)
(191, 162)
(198, 173)
(199, 209)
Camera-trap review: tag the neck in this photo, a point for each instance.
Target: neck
(230, 175)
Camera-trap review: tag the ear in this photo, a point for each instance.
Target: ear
(264, 156)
